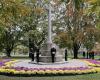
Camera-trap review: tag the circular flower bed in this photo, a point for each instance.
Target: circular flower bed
(6, 67)
(94, 63)
(91, 62)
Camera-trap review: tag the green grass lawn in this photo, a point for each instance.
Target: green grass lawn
(95, 76)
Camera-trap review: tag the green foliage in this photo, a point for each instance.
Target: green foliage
(63, 40)
(30, 17)
(37, 37)
(78, 4)
(18, 17)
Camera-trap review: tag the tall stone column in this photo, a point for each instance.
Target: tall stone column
(49, 40)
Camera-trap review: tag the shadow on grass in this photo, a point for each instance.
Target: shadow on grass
(41, 75)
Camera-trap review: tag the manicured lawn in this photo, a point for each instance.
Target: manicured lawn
(95, 76)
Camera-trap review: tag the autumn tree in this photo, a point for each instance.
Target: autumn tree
(35, 24)
(11, 13)
(79, 27)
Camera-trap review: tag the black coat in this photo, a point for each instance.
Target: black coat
(53, 50)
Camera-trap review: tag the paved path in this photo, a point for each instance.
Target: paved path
(70, 63)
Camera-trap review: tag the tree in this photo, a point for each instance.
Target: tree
(34, 25)
(12, 11)
(20, 17)
(1, 33)
(80, 27)
(71, 20)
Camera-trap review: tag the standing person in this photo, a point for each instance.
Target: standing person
(66, 55)
(31, 54)
(37, 55)
(92, 53)
(53, 52)
(83, 54)
(31, 50)
(89, 54)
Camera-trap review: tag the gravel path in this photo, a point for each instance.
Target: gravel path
(70, 63)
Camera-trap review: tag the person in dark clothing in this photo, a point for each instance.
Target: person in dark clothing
(37, 55)
(31, 50)
(66, 55)
(92, 54)
(53, 52)
(83, 54)
(31, 54)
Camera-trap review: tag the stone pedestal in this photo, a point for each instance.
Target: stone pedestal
(47, 59)
(46, 54)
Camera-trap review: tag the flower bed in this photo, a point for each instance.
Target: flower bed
(6, 67)
(93, 63)
(3, 62)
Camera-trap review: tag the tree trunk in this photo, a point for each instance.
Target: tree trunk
(75, 50)
(8, 52)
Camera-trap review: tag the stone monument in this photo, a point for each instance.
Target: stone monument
(45, 50)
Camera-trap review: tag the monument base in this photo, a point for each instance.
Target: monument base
(48, 59)
(46, 53)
